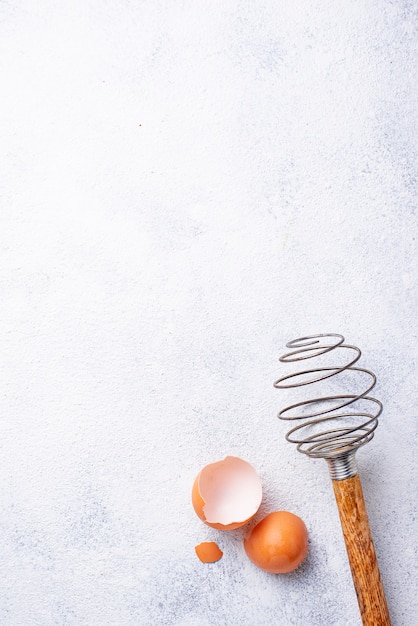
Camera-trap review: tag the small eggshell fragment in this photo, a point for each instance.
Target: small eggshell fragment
(208, 552)
(279, 543)
(227, 494)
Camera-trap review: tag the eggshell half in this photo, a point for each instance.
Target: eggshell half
(227, 494)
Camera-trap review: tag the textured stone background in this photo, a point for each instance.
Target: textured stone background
(186, 186)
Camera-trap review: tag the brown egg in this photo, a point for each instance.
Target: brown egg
(227, 494)
(279, 543)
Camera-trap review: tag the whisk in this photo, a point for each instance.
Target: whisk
(354, 418)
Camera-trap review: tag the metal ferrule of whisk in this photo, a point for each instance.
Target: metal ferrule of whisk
(343, 466)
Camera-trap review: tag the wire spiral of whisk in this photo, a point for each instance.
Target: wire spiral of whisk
(354, 416)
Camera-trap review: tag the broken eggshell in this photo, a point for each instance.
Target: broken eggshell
(208, 552)
(227, 494)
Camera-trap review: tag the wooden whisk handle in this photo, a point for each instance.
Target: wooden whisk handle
(361, 552)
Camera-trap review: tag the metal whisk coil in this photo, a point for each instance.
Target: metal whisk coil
(355, 425)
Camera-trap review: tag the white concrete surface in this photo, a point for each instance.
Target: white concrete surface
(186, 186)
